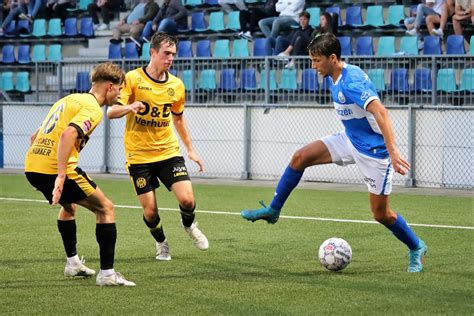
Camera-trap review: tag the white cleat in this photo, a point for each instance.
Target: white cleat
(115, 279)
(163, 251)
(199, 239)
(78, 269)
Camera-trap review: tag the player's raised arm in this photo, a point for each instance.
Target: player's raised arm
(118, 111)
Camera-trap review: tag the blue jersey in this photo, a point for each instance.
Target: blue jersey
(351, 93)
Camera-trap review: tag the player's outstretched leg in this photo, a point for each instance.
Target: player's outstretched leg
(266, 213)
(75, 267)
(416, 257)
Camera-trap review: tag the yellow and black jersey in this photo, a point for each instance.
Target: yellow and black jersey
(81, 111)
(149, 134)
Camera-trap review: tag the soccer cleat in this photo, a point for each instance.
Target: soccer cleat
(416, 260)
(163, 251)
(266, 213)
(199, 239)
(78, 269)
(113, 280)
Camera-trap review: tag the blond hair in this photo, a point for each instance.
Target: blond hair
(107, 72)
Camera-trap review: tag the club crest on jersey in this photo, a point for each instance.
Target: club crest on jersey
(170, 92)
(341, 97)
(140, 182)
(364, 96)
(86, 126)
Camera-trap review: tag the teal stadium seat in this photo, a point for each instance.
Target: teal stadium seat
(7, 81)
(187, 79)
(288, 80)
(241, 48)
(374, 17)
(39, 28)
(377, 76)
(233, 21)
(396, 14)
(467, 80)
(409, 45)
(446, 80)
(386, 46)
(22, 83)
(314, 12)
(55, 52)
(145, 51)
(54, 28)
(471, 44)
(39, 53)
(216, 21)
(193, 3)
(207, 80)
(221, 48)
(272, 81)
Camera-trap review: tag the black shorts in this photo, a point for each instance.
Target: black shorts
(77, 186)
(145, 175)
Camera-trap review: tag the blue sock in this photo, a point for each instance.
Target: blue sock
(288, 181)
(404, 233)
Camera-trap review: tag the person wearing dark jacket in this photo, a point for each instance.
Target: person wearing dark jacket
(249, 18)
(134, 23)
(171, 17)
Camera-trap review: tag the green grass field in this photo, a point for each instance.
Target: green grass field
(250, 268)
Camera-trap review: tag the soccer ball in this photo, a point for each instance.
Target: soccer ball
(335, 254)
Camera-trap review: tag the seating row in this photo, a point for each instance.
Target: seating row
(24, 55)
(20, 84)
(73, 27)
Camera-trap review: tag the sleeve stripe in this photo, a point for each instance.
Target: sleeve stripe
(79, 130)
(372, 98)
(174, 113)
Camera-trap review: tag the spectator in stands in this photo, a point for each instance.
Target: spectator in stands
(171, 17)
(326, 25)
(16, 7)
(4, 10)
(33, 6)
(58, 8)
(106, 9)
(463, 11)
(249, 18)
(297, 42)
(423, 11)
(289, 16)
(225, 4)
(134, 23)
(448, 11)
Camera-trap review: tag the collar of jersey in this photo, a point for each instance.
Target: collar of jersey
(154, 80)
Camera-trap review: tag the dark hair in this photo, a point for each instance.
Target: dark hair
(328, 17)
(325, 44)
(160, 38)
(305, 14)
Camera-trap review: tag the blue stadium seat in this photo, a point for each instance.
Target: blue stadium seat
(70, 26)
(227, 80)
(432, 45)
(83, 83)
(364, 46)
(211, 3)
(7, 81)
(288, 80)
(248, 80)
(23, 28)
(8, 54)
(198, 22)
(187, 79)
(39, 28)
(240, 48)
(399, 81)
(203, 48)
(446, 80)
(221, 48)
(353, 16)
(409, 45)
(86, 28)
(39, 53)
(22, 83)
(115, 51)
(314, 12)
(309, 81)
(467, 80)
(422, 80)
(272, 80)
(377, 76)
(455, 45)
(386, 46)
(216, 21)
(24, 54)
(233, 21)
(55, 52)
(54, 28)
(374, 16)
(10, 29)
(327, 84)
(145, 51)
(346, 46)
(185, 49)
(131, 50)
(207, 80)
(337, 10)
(259, 47)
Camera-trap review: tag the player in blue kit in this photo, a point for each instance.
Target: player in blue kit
(367, 140)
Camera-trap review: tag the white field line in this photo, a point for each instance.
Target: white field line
(282, 216)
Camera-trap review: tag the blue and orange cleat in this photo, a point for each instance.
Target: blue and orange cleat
(417, 257)
(266, 213)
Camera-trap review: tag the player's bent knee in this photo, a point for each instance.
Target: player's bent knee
(187, 203)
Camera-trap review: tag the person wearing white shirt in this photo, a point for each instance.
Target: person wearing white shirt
(432, 9)
(289, 16)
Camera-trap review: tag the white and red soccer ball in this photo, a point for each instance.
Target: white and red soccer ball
(335, 254)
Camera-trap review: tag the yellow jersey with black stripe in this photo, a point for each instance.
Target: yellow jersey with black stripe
(81, 111)
(149, 134)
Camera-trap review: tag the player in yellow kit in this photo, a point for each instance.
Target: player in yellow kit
(51, 167)
(152, 100)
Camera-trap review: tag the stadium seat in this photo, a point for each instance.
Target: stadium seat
(240, 48)
(83, 83)
(455, 45)
(386, 46)
(207, 80)
(377, 76)
(80, 6)
(203, 48)
(193, 3)
(309, 81)
(233, 21)
(422, 80)
(248, 80)
(327, 84)
(216, 21)
(353, 17)
(374, 16)
(467, 80)
(346, 46)
(24, 54)
(211, 3)
(314, 12)
(272, 80)
(198, 22)
(174, 72)
(10, 29)
(471, 45)
(399, 81)
(409, 45)
(23, 28)
(288, 80)
(22, 83)
(396, 15)
(39, 53)
(336, 10)
(86, 28)
(446, 80)
(227, 80)
(131, 50)
(115, 51)
(54, 28)
(187, 77)
(432, 45)
(185, 49)
(145, 51)
(8, 54)
(221, 48)
(259, 47)
(39, 28)
(364, 46)
(70, 27)
(7, 81)
(55, 52)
